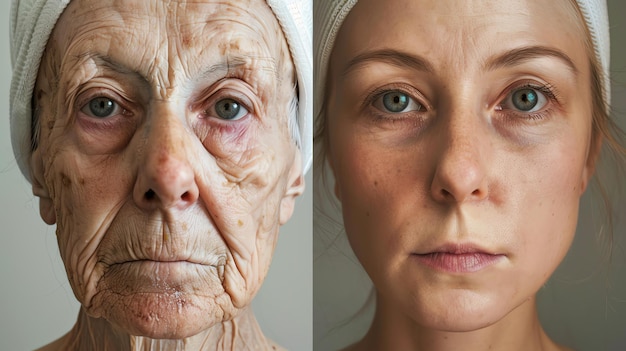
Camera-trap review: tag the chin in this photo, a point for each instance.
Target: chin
(459, 310)
(165, 315)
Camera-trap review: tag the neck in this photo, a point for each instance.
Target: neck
(241, 333)
(393, 330)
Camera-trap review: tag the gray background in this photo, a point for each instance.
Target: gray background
(584, 303)
(37, 305)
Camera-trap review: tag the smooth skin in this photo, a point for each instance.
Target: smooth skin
(458, 162)
(165, 158)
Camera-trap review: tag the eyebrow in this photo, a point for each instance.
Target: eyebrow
(389, 56)
(510, 58)
(522, 55)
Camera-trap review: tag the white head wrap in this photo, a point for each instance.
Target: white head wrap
(329, 15)
(32, 22)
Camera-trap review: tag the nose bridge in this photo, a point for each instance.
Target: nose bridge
(461, 172)
(164, 137)
(166, 176)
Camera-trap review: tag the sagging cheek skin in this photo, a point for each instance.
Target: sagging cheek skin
(254, 181)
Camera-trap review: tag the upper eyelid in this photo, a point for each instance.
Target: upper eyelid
(225, 89)
(127, 107)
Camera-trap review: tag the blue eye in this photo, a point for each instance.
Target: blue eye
(397, 102)
(230, 109)
(101, 107)
(526, 99)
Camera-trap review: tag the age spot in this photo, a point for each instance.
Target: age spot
(65, 180)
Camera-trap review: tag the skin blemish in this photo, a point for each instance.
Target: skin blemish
(65, 180)
(240, 223)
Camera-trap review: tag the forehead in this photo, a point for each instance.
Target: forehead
(152, 37)
(456, 34)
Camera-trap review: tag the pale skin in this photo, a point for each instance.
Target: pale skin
(165, 159)
(459, 163)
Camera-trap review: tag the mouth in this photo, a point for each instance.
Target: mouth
(459, 258)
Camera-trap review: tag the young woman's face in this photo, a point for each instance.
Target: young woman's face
(460, 138)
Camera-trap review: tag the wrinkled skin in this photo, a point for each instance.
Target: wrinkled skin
(167, 215)
(468, 166)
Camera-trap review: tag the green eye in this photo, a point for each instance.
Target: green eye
(396, 102)
(101, 107)
(525, 99)
(230, 109)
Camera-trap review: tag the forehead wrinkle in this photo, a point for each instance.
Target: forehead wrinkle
(233, 63)
(108, 62)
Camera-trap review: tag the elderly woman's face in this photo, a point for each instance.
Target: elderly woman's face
(165, 157)
(460, 138)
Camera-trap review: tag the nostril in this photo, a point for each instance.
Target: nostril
(186, 196)
(150, 194)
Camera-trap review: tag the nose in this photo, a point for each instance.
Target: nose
(166, 178)
(461, 167)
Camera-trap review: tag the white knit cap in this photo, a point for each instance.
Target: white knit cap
(32, 22)
(329, 15)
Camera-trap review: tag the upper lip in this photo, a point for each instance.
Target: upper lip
(459, 249)
(208, 260)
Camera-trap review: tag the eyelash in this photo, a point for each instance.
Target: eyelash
(381, 116)
(548, 90)
(104, 123)
(208, 106)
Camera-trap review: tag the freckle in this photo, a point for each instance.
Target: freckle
(240, 223)
(235, 46)
(398, 171)
(367, 213)
(81, 181)
(184, 226)
(375, 183)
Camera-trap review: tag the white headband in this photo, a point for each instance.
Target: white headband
(32, 22)
(329, 15)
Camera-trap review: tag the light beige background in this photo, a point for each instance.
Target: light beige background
(584, 303)
(36, 302)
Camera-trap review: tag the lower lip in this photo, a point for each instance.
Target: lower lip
(458, 263)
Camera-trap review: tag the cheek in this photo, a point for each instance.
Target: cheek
(547, 212)
(86, 196)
